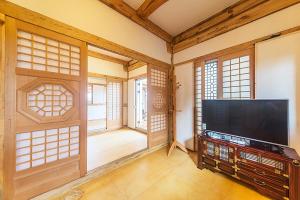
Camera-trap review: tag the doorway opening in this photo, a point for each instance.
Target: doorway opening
(110, 134)
(141, 104)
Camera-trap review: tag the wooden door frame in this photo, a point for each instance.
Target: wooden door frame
(140, 77)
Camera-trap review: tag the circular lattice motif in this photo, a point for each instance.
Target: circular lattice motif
(50, 100)
(158, 101)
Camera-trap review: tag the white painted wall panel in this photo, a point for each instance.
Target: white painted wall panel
(105, 67)
(278, 77)
(184, 105)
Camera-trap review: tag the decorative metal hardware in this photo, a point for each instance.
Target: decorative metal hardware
(261, 183)
(277, 171)
(296, 163)
(286, 187)
(217, 151)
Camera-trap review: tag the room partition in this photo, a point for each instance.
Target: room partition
(45, 137)
(157, 105)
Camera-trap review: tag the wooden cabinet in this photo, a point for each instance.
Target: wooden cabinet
(276, 175)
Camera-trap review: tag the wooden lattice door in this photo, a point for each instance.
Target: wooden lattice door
(46, 110)
(157, 105)
(114, 104)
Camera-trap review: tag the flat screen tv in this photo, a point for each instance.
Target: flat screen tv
(265, 120)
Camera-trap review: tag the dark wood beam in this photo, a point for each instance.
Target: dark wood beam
(130, 13)
(240, 14)
(149, 6)
(107, 58)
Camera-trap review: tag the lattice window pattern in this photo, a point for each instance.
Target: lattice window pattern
(211, 69)
(198, 101)
(236, 78)
(250, 156)
(44, 146)
(224, 153)
(272, 163)
(40, 53)
(50, 100)
(114, 100)
(158, 122)
(211, 149)
(159, 101)
(158, 78)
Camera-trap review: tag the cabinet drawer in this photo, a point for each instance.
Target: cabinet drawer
(271, 164)
(226, 168)
(264, 173)
(277, 191)
(209, 161)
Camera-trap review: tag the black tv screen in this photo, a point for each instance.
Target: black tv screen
(265, 120)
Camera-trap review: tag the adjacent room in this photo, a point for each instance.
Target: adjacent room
(117, 107)
(150, 99)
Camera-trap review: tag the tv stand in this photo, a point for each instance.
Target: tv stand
(272, 169)
(267, 147)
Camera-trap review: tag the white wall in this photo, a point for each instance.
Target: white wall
(279, 21)
(96, 18)
(184, 105)
(138, 72)
(104, 67)
(278, 77)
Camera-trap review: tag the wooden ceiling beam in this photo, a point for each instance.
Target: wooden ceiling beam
(107, 58)
(225, 14)
(240, 14)
(149, 6)
(135, 65)
(130, 13)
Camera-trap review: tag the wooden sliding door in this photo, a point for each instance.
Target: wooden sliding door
(114, 104)
(157, 105)
(45, 141)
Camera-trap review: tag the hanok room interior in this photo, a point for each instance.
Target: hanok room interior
(149, 99)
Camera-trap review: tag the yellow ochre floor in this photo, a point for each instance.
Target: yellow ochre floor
(158, 177)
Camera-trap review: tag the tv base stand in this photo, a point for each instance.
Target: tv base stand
(273, 172)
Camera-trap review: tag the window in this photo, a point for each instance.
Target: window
(114, 100)
(236, 78)
(96, 94)
(227, 76)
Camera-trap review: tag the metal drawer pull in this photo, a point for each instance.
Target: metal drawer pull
(259, 173)
(261, 183)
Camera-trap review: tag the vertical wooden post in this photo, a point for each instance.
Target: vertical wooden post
(2, 60)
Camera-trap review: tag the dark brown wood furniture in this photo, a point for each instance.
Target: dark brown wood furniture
(274, 174)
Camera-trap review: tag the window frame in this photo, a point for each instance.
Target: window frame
(91, 102)
(220, 56)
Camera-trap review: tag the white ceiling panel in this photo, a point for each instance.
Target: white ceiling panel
(175, 16)
(134, 3)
